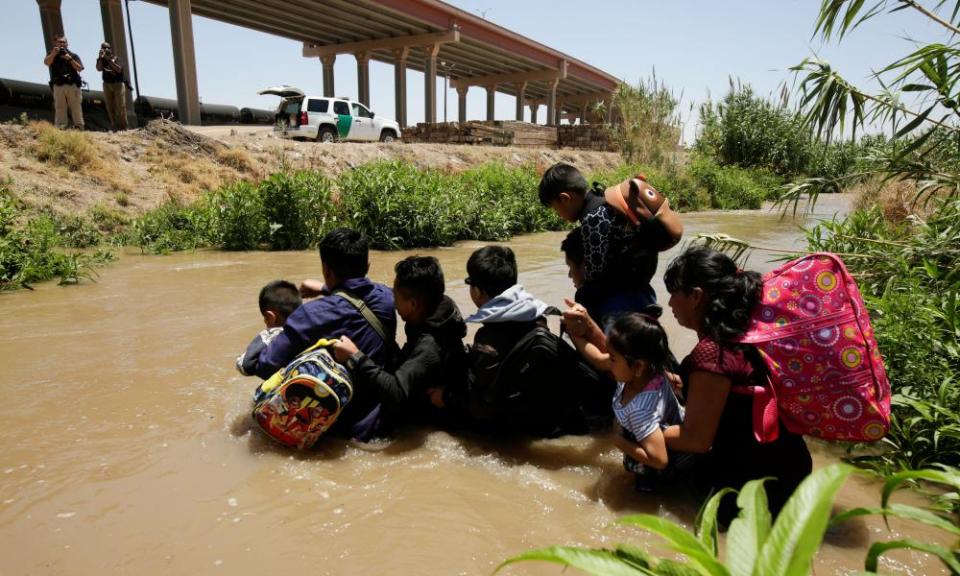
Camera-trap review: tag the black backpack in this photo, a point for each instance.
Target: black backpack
(542, 388)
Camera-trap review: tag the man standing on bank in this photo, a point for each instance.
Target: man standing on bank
(114, 87)
(65, 68)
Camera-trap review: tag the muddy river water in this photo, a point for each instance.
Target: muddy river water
(126, 447)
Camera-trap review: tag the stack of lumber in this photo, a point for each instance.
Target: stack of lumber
(586, 137)
(496, 133)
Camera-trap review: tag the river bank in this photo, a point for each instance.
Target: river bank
(67, 172)
(152, 466)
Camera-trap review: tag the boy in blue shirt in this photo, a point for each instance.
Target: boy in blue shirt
(344, 258)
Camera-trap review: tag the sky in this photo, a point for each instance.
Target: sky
(695, 46)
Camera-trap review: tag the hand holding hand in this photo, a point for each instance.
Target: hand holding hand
(575, 319)
(344, 348)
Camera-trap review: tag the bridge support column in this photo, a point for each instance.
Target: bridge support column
(491, 102)
(363, 78)
(328, 62)
(552, 103)
(51, 20)
(521, 90)
(430, 83)
(462, 103)
(400, 85)
(184, 61)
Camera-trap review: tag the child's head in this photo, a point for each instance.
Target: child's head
(710, 294)
(490, 271)
(418, 287)
(638, 346)
(278, 300)
(344, 254)
(572, 248)
(563, 188)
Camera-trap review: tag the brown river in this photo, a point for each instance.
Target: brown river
(127, 448)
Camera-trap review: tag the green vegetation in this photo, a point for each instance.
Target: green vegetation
(757, 545)
(748, 131)
(924, 133)
(647, 129)
(395, 204)
(34, 250)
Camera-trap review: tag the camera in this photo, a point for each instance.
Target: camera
(61, 50)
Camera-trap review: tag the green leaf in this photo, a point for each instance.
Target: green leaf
(749, 529)
(707, 519)
(680, 540)
(946, 556)
(798, 531)
(599, 562)
(948, 476)
(900, 511)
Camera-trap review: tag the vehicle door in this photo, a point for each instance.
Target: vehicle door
(344, 119)
(363, 127)
(317, 110)
(288, 112)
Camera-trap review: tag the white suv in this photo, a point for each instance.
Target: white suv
(328, 119)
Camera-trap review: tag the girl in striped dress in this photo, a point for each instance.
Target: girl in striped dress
(644, 403)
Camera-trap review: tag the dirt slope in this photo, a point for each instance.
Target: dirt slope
(133, 171)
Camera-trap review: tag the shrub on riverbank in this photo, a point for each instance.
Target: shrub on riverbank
(909, 275)
(32, 250)
(395, 204)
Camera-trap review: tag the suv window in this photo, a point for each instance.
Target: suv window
(318, 106)
(341, 107)
(360, 111)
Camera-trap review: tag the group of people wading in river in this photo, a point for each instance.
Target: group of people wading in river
(672, 420)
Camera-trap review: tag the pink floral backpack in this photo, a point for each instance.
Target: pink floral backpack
(814, 335)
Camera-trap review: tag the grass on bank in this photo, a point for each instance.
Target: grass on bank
(397, 205)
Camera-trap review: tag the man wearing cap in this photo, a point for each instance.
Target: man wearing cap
(624, 228)
(65, 68)
(114, 87)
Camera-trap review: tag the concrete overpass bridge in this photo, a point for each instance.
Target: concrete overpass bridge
(409, 34)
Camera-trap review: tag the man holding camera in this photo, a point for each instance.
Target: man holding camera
(65, 68)
(114, 87)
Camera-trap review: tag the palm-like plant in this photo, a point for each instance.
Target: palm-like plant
(926, 134)
(756, 546)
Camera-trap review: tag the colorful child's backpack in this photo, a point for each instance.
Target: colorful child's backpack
(814, 336)
(301, 402)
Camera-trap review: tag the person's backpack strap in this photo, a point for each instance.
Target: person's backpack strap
(364, 311)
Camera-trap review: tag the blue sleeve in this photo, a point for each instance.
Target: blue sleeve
(298, 335)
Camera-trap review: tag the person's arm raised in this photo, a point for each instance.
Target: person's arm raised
(706, 399)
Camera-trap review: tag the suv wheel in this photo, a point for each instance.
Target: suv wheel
(326, 134)
(387, 136)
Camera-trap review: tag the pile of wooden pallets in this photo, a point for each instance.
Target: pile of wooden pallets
(496, 133)
(586, 137)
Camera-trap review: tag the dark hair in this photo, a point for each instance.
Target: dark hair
(492, 269)
(572, 245)
(731, 293)
(640, 337)
(279, 296)
(422, 277)
(345, 252)
(561, 178)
